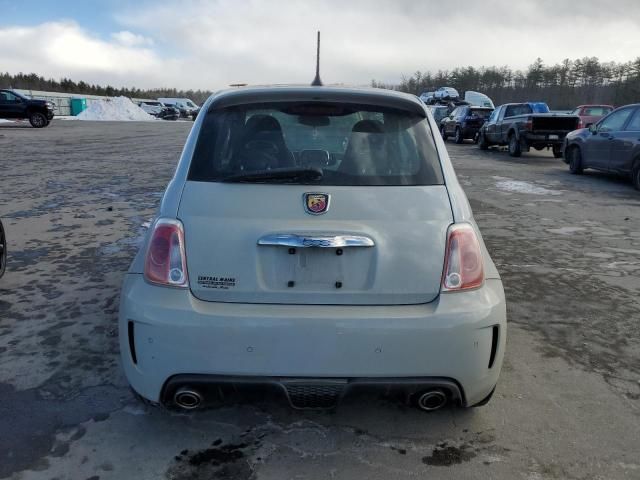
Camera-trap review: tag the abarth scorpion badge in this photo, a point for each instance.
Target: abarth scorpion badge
(316, 203)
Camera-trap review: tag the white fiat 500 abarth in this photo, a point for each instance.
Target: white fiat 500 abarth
(315, 241)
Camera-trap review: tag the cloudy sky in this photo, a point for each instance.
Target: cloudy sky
(209, 44)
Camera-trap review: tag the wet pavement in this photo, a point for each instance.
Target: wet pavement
(76, 199)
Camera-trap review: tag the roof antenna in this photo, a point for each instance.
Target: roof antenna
(316, 81)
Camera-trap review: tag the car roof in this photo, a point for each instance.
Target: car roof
(595, 105)
(272, 94)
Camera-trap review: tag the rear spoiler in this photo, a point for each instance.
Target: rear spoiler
(370, 97)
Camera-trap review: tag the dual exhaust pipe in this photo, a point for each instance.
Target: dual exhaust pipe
(187, 398)
(428, 400)
(431, 400)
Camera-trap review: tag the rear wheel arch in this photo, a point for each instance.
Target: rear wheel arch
(574, 159)
(482, 140)
(513, 142)
(458, 135)
(635, 173)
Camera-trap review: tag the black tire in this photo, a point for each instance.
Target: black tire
(557, 151)
(3, 250)
(482, 142)
(458, 138)
(38, 120)
(443, 132)
(515, 149)
(575, 161)
(636, 175)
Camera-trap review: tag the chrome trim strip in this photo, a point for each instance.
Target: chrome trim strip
(319, 241)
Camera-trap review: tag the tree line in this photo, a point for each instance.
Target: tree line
(563, 85)
(32, 81)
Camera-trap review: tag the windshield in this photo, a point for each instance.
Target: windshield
(11, 96)
(480, 112)
(350, 145)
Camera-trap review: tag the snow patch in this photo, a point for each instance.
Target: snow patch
(518, 186)
(115, 109)
(566, 230)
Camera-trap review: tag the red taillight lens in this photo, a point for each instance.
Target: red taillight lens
(463, 267)
(166, 263)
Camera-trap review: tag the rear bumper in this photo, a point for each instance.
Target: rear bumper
(548, 139)
(172, 333)
(470, 131)
(303, 393)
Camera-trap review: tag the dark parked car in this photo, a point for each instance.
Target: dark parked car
(610, 145)
(591, 114)
(3, 250)
(157, 109)
(519, 126)
(439, 112)
(16, 106)
(464, 122)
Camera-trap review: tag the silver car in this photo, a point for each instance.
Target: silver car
(313, 241)
(446, 93)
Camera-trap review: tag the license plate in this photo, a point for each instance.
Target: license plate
(553, 137)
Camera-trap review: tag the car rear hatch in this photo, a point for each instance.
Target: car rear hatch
(233, 254)
(477, 117)
(315, 201)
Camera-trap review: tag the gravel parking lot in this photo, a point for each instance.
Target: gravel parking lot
(76, 198)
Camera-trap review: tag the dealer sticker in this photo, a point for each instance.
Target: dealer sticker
(219, 283)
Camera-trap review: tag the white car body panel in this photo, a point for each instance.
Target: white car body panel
(401, 267)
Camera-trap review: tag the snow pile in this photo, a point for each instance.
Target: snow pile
(518, 186)
(117, 108)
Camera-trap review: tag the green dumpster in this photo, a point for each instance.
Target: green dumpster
(78, 105)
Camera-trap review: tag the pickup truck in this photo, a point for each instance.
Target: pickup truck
(518, 126)
(16, 106)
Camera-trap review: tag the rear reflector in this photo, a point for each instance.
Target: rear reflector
(495, 331)
(165, 262)
(463, 267)
(132, 342)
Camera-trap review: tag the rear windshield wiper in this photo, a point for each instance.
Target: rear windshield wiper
(284, 174)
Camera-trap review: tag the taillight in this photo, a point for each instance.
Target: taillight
(165, 262)
(528, 125)
(463, 267)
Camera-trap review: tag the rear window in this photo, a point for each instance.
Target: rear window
(596, 111)
(514, 110)
(350, 144)
(480, 112)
